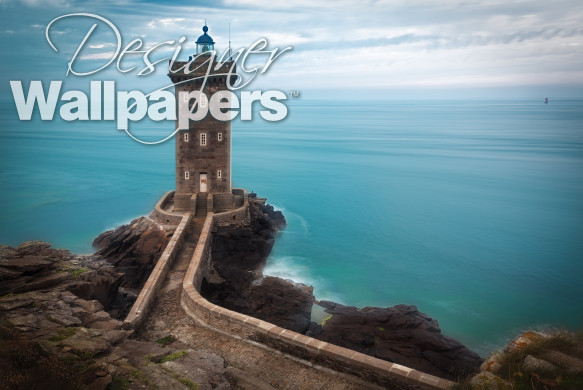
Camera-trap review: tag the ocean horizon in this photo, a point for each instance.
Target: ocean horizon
(468, 209)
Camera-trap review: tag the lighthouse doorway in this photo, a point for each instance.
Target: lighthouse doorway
(203, 187)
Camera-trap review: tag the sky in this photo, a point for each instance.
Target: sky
(341, 49)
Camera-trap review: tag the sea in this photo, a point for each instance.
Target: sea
(471, 210)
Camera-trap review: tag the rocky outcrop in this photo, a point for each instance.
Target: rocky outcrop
(64, 311)
(400, 334)
(238, 257)
(88, 358)
(247, 247)
(133, 249)
(534, 360)
(55, 333)
(35, 266)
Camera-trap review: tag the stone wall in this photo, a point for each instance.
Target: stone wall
(239, 197)
(311, 351)
(142, 305)
(238, 216)
(315, 353)
(182, 202)
(163, 216)
(211, 157)
(144, 301)
(222, 201)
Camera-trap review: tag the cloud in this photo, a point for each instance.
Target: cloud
(101, 45)
(280, 39)
(165, 22)
(46, 3)
(97, 56)
(359, 44)
(297, 4)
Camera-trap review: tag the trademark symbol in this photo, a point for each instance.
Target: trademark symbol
(295, 94)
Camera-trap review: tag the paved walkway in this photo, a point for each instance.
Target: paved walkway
(253, 366)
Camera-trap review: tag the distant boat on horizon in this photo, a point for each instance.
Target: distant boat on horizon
(546, 100)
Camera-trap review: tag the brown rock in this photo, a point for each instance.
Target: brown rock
(399, 334)
(100, 383)
(487, 380)
(523, 340)
(133, 249)
(28, 263)
(49, 312)
(239, 254)
(532, 364)
(15, 302)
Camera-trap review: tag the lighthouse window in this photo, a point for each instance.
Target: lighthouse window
(185, 137)
(220, 136)
(219, 174)
(186, 175)
(202, 139)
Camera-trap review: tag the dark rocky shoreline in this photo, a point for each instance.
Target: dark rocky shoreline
(133, 250)
(399, 334)
(66, 308)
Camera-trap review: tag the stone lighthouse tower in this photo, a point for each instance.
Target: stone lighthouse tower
(203, 151)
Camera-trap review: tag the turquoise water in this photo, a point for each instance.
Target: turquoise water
(470, 210)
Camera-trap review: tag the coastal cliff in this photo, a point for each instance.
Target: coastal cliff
(56, 333)
(239, 254)
(399, 334)
(133, 250)
(68, 309)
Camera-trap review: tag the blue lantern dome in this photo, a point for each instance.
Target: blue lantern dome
(204, 43)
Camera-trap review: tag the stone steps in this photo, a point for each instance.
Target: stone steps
(201, 209)
(182, 260)
(187, 247)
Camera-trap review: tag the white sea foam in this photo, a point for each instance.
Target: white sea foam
(297, 222)
(125, 221)
(293, 268)
(304, 224)
(294, 220)
(278, 208)
(288, 267)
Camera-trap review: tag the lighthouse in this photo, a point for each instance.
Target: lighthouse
(203, 150)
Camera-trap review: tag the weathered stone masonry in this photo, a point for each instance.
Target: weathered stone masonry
(311, 351)
(203, 152)
(143, 303)
(308, 350)
(203, 188)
